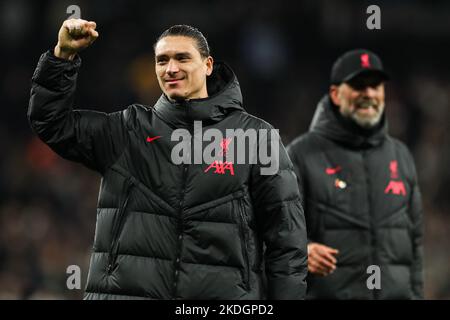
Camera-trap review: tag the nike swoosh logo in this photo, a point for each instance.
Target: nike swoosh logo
(153, 139)
(331, 171)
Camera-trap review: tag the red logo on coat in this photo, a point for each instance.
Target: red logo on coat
(221, 167)
(224, 145)
(331, 171)
(395, 187)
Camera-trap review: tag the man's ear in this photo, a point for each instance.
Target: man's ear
(209, 65)
(334, 94)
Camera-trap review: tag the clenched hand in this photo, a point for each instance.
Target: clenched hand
(74, 36)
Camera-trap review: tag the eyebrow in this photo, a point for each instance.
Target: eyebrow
(179, 55)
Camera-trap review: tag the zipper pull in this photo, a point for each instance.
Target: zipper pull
(109, 269)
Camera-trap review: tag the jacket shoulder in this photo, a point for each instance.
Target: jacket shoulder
(254, 121)
(135, 112)
(399, 145)
(304, 144)
(302, 148)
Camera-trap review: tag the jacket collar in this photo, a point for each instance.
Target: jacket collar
(328, 122)
(224, 97)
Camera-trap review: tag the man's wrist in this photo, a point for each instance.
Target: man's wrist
(59, 53)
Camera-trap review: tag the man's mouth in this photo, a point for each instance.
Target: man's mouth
(366, 106)
(173, 81)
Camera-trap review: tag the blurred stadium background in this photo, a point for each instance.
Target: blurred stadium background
(281, 53)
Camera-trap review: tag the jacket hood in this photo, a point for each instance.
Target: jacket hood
(328, 122)
(224, 98)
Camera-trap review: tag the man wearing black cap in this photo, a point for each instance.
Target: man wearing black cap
(361, 197)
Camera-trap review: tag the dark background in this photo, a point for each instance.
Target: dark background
(282, 53)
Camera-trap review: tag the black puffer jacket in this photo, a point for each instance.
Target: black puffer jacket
(362, 198)
(167, 231)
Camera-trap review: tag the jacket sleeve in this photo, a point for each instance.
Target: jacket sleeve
(280, 220)
(301, 176)
(92, 138)
(298, 168)
(416, 216)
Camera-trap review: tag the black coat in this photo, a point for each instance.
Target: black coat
(361, 197)
(167, 231)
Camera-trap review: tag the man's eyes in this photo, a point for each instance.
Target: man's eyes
(161, 60)
(164, 61)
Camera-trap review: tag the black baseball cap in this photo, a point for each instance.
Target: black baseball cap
(354, 63)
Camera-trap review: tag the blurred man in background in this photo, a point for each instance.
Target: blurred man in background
(167, 231)
(361, 197)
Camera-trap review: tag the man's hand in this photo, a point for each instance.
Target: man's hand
(74, 36)
(321, 260)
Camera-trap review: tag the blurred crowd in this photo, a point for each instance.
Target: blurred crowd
(282, 54)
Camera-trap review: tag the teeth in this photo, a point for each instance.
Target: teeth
(365, 105)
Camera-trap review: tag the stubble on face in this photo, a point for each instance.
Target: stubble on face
(364, 107)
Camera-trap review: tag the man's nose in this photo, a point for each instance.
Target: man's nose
(370, 92)
(172, 67)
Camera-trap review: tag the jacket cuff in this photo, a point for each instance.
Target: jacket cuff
(55, 73)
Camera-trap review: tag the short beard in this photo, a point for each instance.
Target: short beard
(365, 122)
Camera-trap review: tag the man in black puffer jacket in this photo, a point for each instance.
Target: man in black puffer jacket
(361, 197)
(170, 230)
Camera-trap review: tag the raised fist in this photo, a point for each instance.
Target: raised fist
(74, 36)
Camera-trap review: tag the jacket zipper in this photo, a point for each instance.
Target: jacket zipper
(180, 213)
(372, 229)
(243, 233)
(180, 230)
(117, 228)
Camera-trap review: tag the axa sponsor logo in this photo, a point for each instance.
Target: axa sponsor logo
(395, 186)
(221, 167)
(221, 150)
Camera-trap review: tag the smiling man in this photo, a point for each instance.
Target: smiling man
(362, 200)
(180, 69)
(167, 231)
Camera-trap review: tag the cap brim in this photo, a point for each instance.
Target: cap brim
(382, 74)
